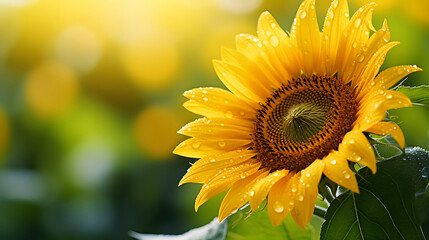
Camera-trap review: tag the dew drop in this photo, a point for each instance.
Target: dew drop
(226, 102)
(196, 145)
(307, 174)
(389, 96)
(274, 41)
(347, 176)
(212, 160)
(294, 189)
(273, 25)
(358, 159)
(354, 44)
(221, 144)
(328, 23)
(352, 141)
(358, 21)
(333, 161)
(251, 193)
(425, 172)
(291, 203)
(278, 207)
(268, 33)
(241, 113)
(301, 198)
(275, 174)
(308, 185)
(346, 15)
(205, 99)
(228, 114)
(303, 14)
(335, 4)
(331, 14)
(360, 57)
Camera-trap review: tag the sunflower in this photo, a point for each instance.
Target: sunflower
(298, 109)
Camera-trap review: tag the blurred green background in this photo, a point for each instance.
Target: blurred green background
(90, 102)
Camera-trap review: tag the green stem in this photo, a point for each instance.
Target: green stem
(319, 211)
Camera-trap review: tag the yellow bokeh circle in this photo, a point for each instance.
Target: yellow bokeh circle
(152, 58)
(155, 132)
(4, 132)
(51, 88)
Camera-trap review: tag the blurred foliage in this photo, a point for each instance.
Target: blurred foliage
(90, 102)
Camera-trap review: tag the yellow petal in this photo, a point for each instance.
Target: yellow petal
(209, 166)
(249, 45)
(337, 169)
(374, 107)
(262, 187)
(223, 180)
(197, 147)
(335, 22)
(258, 72)
(362, 61)
(306, 197)
(277, 46)
(239, 194)
(218, 103)
(233, 77)
(388, 128)
(373, 67)
(218, 128)
(390, 76)
(281, 199)
(353, 39)
(305, 32)
(356, 148)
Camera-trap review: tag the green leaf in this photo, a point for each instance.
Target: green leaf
(212, 231)
(418, 95)
(258, 226)
(385, 207)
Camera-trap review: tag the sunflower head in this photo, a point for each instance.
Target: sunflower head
(298, 109)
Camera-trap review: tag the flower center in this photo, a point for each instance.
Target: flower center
(303, 121)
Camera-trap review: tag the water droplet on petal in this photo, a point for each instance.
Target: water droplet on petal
(273, 25)
(303, 14)
(274, 41)
(221, 144)
(301, 198)
(346, 15)
(196, 145)
(294, 189)
(251, 193)
(358, 159)
(354, 44)
(358, 21)
(389, 96)
(205, 99)
(275, 174)
(333, 161)
(307, 174)
(331, 14)
(359, 57)
(352, 141)
(228, 114)
(278, 207)
(347, 176)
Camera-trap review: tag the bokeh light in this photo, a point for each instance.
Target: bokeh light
(152, 58)
(155, 131)
(4, 133)
(51, 89)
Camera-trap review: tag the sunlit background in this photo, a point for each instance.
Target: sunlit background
(90, 102)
